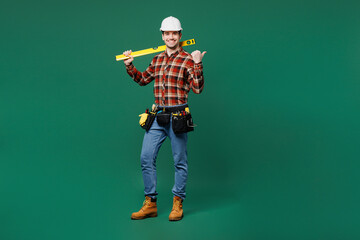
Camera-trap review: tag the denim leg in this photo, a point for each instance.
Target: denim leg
(152, 142)
(179, 150)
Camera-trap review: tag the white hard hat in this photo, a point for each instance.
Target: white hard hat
(170, 24)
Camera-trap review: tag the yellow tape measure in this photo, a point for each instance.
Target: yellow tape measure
(153, 50)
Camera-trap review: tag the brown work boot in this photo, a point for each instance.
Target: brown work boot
(148, 209)
(177, 211)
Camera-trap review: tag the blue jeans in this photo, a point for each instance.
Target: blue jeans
(152, 142)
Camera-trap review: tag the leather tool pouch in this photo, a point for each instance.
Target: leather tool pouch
(182, 123)
(163, 118)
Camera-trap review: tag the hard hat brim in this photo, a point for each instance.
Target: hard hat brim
(171, 29)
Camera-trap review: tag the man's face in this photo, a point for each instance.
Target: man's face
(171, 39)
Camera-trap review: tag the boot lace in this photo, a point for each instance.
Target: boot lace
(146, 202)
(177, 205)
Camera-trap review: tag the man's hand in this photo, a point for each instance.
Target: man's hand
(129, 60)
(197, 56)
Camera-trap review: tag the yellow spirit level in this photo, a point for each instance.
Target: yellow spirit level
(153, 50)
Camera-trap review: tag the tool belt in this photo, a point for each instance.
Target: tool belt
(180, 116)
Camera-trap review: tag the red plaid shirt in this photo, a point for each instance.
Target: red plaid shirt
(174, 77)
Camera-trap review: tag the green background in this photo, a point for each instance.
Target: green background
(276, 151)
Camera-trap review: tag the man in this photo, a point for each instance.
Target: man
(176, 72)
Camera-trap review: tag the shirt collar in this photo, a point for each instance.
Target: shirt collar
(175, 53)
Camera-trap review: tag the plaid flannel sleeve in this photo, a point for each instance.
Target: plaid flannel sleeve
(142, 78)
(196, 77)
